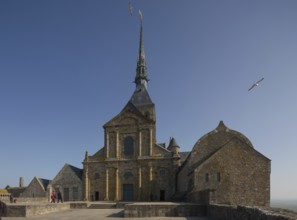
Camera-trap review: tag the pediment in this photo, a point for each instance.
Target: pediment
(129, 116)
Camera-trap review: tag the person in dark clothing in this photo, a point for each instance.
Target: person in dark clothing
(11, 198)
(60, 197)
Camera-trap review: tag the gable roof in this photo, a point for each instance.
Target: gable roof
(132, 108)
(76, 171)
(44, 182)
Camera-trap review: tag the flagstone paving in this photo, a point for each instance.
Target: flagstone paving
(92, 214)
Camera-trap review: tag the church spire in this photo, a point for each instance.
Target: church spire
(141, 74)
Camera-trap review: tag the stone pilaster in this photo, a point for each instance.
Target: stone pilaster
(107, 145)
(151, 142)
(139, 183)
(86, 184)
(106, 185)
(117, 145)
(117, 185)
(140, 143)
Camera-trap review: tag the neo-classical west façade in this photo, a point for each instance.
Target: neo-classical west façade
(223, 166)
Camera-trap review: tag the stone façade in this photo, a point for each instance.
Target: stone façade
(223, 167)
(36, 188)
(69, 182)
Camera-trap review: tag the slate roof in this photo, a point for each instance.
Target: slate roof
(78, 172)
(141, 97)
(184, 156)
(44, 182)
(172, 143)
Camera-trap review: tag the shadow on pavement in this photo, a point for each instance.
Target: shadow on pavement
(119, 214)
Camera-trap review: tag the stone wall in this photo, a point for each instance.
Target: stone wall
(148, 170)
(34, 189)
(235, 175)
(30, 200)
(141, 210)
(29, 210)
(135, 172)
(223, 212)
(3, 208)
(68, 182)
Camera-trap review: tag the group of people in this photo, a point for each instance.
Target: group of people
(54, 197)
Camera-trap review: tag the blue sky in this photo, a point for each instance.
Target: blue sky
(67, 66)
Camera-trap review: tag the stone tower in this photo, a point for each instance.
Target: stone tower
(140, 98)
(131, 166)
(21, 184)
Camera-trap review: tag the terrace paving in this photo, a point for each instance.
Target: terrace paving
(92, 214)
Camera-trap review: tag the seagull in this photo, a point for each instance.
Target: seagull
(130, 8)
(255, 84)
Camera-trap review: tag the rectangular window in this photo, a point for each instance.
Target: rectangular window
(219, 177)
(66, 194)
(75, 193)
(206, 177)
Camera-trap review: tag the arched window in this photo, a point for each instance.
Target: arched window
(128, 174)
(128, 146)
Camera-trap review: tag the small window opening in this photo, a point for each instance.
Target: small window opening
(219, 177)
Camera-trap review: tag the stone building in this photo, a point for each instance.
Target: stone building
(4, 194)
(223, 166)
(131, 165)
(16, 191)
(68, 182)
(36, 188)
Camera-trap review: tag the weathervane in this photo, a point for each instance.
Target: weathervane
(131, 11)
(130, 8)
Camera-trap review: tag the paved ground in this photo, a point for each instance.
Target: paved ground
(92, 214)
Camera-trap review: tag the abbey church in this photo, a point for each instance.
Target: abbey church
(223, 166)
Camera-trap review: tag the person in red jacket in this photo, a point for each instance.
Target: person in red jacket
(53, 197)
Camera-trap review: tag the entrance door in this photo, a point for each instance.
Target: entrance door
(162, 195)
(66, 194)
(96, 196)
(128, 192)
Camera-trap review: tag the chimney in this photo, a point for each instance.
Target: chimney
(21, 182)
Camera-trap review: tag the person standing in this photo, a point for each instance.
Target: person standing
(11, 198)
(60, 197)
(53, 197)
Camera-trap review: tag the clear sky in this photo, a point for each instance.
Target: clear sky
(67, 66)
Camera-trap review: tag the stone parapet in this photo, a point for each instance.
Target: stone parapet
(29, 210)
(224, 212)
(166, 209)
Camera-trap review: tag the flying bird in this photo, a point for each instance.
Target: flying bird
(255, 84)
(130, 8)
